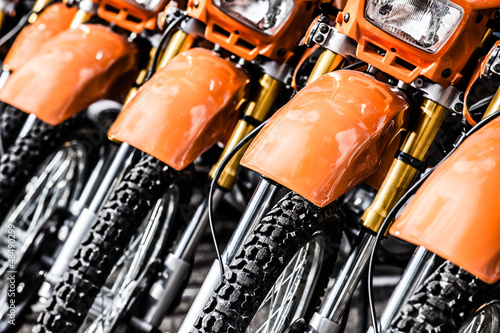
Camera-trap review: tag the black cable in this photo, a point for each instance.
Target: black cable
(354, 65)
(14, 31)
(213, 184)
(387, 221)
(154, 61)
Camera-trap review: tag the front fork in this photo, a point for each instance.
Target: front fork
(178, 263)
(402, 173)
(96, 191)
(258, 206)
(102, 181)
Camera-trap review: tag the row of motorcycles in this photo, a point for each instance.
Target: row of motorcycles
(359, 130)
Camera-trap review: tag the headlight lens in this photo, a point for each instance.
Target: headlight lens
(266, 16)
(426, 24)
(148, 4)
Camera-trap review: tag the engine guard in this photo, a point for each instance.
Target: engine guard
(184, 109)
(329, 137)
(455, 213)
(70, 71)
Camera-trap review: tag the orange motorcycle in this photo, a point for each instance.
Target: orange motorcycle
(245, 60)
(72, 86)
(454, 216)
(45, 21)
(374, 125)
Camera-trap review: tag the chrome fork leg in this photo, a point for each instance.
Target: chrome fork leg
(259, 204)
(327, 320)
(177, 264)
(4, 75)
(117, 163)
(329, 316)
(419, 268)
(28, 124)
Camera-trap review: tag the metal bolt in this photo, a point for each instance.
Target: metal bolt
(323, 28)
(419, 82)
(496, 67)
(196, 4)
(319, 39)
(347, 17)
(446, 73)
(458, 107)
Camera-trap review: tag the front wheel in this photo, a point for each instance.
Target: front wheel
(281, 272)
(485, 320)
(11, 123)
(118, 221)
(441, 304)
(23, 158)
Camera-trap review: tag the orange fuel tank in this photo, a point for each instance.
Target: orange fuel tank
(456, 212)
(70, 71)
(184, 109)
(330, 136)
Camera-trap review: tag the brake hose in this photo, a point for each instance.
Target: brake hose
(154, 61)
(213, 184)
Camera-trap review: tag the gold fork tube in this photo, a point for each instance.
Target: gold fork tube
(487, 34)
(176, 44)
(257, 109)
(494, 105)
(401, 175)
(81, 16)
(327, 61)
(37, 8)
(2, 18)
(140, 78)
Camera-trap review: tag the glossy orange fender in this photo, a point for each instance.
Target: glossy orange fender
(456, 212)
(184, 109)
(52, 21)
(330, 136)
(70, 71)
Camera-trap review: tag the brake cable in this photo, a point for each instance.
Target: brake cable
(163, 38)
(213, 184)
(14, 31)
(387, 221)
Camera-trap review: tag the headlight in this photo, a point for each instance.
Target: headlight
(426, 24)
(266, 16)
(148, 4)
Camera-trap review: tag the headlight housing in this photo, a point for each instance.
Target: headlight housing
(426, 24)
(267, 16)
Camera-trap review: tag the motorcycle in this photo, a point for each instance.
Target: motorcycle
(187, 106)
(345, 128)
(455, 200)
(71, 87)
(45, 21)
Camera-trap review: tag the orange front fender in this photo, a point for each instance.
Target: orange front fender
(184, 109)
(456, 212)
(52, 21)
(330, 136)
(71, 71)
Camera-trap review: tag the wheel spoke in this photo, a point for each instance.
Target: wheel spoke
(285, 297)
